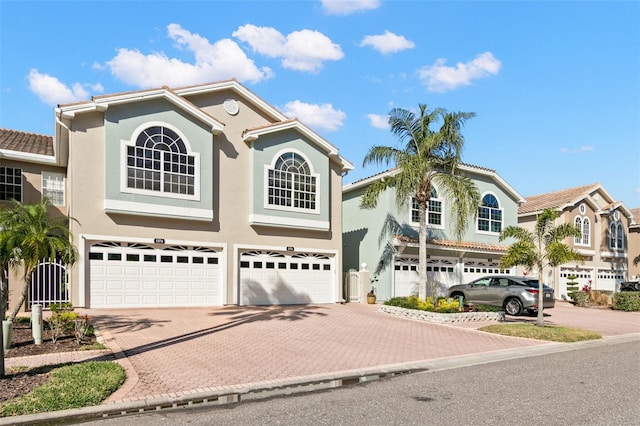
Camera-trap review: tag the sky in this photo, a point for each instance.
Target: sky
(555, 85)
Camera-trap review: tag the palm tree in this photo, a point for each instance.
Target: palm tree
(542, 247)
(29, 235)
(428, 157)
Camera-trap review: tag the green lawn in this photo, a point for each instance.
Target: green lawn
(552, 333)
(71, 386)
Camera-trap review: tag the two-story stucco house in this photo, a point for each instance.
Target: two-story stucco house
(386, 238)
(194, 196)
(604, 242)
(634, 245)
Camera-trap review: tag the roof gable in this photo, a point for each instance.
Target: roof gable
(469, 168)
(250, 135)
(593, 194)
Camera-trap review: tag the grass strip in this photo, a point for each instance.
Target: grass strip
(553, 333)
(72, 386)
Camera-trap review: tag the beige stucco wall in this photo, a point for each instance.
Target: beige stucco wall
(229, 227)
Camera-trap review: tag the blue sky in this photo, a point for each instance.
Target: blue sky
(555, 85)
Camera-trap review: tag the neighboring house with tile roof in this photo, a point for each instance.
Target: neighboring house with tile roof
(196, 196)
(634, 245)
(385, 238)
(31, 167)
(604, 243)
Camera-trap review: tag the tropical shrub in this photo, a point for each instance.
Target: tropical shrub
(626, 301)
(579, 297)
(442, 305)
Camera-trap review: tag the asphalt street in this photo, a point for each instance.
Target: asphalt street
(594, 384)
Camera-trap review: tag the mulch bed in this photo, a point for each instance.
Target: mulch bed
(17, 383)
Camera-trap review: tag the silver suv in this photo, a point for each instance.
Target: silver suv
(512, 293)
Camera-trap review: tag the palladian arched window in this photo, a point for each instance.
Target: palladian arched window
(291, 183)
(159, 161)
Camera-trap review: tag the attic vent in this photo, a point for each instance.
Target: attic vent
(231, 106)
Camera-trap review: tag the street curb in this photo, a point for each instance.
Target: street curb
(249, 392)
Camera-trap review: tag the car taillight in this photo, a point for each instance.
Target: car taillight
(532, 290)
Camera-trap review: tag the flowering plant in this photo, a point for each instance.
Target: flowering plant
(587, 287)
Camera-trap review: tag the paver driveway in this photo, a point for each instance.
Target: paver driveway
(177, 351)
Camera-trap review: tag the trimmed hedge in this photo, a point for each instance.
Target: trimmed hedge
(626, 301)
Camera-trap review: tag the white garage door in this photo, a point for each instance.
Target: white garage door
(281, 278)
(608, 279)
(136, 275)
(474, 269)
(583, 277)
(440, 272)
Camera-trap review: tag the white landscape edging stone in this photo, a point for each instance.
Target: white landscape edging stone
(439, 318)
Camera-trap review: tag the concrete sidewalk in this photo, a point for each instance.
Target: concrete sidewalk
(182, 354)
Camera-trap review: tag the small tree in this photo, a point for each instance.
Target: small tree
(572, 284)
(543, 247)
(29, 235)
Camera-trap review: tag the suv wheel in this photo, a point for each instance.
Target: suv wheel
(513, 306)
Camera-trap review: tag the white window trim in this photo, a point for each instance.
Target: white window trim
(588, 243)
(265, 184)
(123, 165)
(580, 241)
(429, 225)
(483, 232)
(43, 178)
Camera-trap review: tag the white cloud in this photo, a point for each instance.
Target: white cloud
(583, 148)
(221, 60)
(440, 78)
(347, 7)
(387, 43)
(304, 50)
(316, 116)
(52, 91)
(379, 121)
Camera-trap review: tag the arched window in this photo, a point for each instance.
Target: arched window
(612, 235)
(619, 237)
(291, 183)
(586, 231)
(434, 210)
(489, 214)
(159, 161)
(578, 224)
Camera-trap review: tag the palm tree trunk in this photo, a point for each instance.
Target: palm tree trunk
(540, 318)
(422, 253)
(23, 296)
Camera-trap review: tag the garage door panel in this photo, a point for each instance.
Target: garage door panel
(132, 285)
(121, 276)
(268, 278)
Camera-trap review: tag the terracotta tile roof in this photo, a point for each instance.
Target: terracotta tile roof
(458, 244)
(30, 143)
(555, 199)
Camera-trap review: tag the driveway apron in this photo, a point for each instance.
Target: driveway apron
(180, 350)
